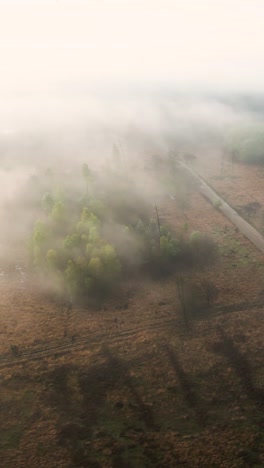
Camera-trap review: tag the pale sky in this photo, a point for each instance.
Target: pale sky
(219, 43)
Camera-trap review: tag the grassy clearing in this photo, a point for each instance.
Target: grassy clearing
(231, 247)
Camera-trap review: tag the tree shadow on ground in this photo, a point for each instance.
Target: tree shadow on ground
(241, 366)
(79, 396)
(191, 398)
(243, 369)
(145, 413)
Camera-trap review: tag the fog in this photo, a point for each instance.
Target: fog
(76, 61)
(52, 44)
(131, 175)
(148, 77)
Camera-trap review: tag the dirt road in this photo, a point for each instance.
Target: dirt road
(254, 236)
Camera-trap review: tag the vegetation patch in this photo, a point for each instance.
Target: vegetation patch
(83, 246)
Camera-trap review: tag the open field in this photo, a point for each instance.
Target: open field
(128, 385)
(240, 184)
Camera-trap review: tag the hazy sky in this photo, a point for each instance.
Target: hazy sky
(44, 43)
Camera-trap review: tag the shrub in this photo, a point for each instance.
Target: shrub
(217, 203)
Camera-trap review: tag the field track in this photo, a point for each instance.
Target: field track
(115, 336)
(118, 334)
(251, 233)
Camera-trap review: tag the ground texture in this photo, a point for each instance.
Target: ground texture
(129, 385)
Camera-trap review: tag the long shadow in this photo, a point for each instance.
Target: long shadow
(78, 396)
(191, 398)
(243, 370)
(145, 411)
(241, 366)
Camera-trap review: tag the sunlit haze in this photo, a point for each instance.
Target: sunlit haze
(131, 233)
(48, 45)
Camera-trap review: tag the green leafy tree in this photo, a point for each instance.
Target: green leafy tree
(47, 202)
(112, 266)
(72, 277)
(58, 211)
(95, 268)
(52, 258)
(72, 241)
(169, 247)
(40, 233)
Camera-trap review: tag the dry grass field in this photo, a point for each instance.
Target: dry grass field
(240, 184)
(128, 385)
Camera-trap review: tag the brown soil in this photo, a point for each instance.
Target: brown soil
(241, 185)
(128, 385)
